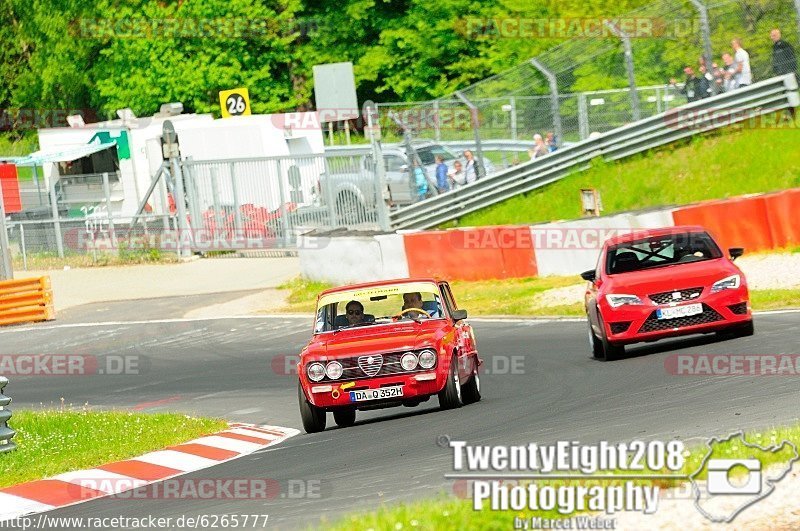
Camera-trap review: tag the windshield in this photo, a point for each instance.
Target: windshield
(660, 251)
(428, 154)
(379, 305)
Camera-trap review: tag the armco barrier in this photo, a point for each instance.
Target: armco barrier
(471, 254)
(6, 433)
(26, 300)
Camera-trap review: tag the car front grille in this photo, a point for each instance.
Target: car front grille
(654, 324)
(358, 367)
(667, 297)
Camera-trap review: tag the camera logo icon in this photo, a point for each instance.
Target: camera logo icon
(721, 481)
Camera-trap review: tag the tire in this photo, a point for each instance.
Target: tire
(344, 417)
(349, 209)
(745, 330)
(601, 348)
(450, 396)
(312, 416)
(471, 391)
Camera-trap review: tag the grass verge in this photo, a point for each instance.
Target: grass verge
(51, 442)
(50, 260)
(455, 513)
(516, 297)
(709, 167)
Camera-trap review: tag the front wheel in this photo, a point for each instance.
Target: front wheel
(745, 330)
(471, 391)
(601, 348)
(312, 416)
(450, 396)
(344, 418)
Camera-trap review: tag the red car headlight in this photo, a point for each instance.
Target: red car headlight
(731, 282)
(427, 359)
(620, 299)
(409, 361)
(316, 372)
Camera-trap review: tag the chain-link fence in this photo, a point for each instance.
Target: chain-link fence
(614, 71)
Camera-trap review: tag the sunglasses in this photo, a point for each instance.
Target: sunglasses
(354, 312)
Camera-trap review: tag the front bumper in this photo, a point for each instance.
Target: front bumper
(637, 323)
(415, 386)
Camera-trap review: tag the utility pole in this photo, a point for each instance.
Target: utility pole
(8, 272)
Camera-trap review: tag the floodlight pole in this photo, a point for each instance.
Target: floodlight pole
(708, 53)
(555, 107)
(475, 119)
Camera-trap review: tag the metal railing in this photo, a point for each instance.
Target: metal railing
(759, 99)
(6, 433)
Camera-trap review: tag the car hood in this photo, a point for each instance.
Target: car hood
(376, 339)
(672, 278)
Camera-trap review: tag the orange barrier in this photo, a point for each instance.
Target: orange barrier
(26, 300)
(10, 185)
(757, 223)
(471, 254)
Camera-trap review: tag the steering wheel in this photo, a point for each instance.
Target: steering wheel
(419, 310)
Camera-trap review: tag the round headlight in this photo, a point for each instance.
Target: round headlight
(409, 361)
(334, 370)
(427, 359)
(316, 372)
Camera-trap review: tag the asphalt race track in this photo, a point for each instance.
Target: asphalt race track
(540, 386)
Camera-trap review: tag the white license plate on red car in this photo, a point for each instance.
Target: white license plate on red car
(679, 311)
(376, 394)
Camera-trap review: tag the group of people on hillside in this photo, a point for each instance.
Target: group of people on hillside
(449, 178)
(542, 145)
(735, 71)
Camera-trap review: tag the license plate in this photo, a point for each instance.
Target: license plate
(679, 311)
(376, 394)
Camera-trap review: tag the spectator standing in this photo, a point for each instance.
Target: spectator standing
(784, 60)
(420, 181)
(539, 148)
(441, 174)
(744, 76)
(694, 88)
(550, 142)
(457, 177)
(473, 169)
(728, 73)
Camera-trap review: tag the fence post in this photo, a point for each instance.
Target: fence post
(626, 43)
(283, 209)
(437, 131)
(555, 107)
(708, 53)
(237, 214)
(797, 16)
(475, 119)
(513, 103)
(583, 116)
(107, 192)
(56, 220)
(22, 246)
(380, 175)
(6, 433)
(7, 266)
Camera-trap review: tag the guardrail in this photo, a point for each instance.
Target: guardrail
(719, 111)
(6, 433)
(512, 146)
(26, 300)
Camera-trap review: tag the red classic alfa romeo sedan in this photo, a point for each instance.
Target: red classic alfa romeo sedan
(653, 284)
(386, 344)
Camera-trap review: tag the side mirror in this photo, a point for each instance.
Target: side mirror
(736, 252)
(589, 276)
(459, 315)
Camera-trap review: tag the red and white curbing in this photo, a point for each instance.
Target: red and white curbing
(72, 488)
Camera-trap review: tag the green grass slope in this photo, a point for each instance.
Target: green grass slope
(736, 162)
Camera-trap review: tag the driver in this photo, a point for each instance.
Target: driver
(413, 300)
(355, 312)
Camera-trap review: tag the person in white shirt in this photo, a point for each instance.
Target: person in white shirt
(744, 76)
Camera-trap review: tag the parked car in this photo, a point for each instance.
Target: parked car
(352, 190)
(386, 344)
(660, 283)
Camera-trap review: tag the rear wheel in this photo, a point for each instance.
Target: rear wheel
(471, 391)
(601, 348)
(450, 396)
(344, 418)
(313, 417)
(349, 209)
